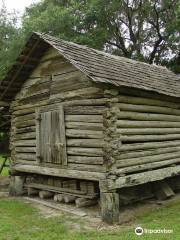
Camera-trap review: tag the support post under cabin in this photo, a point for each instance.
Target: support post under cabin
(16, 187)
(110, 207)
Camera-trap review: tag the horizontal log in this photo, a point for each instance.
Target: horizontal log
(84, 151)
(19, 108)
(74, 133)
(59, 172)
(25, 124)
(84, 118)
(146, 131)
(66, 83)
(86, 102)
(59, 198)
(78, 93)
(85, 160)
(25, 143)
(147, 116)
(144, 177)
(25, 130)
(27, 156)
(69, 199)
(148, 145)
(82, 202)
(26, 149)
(25, 117)
(29, 135)
(24, 111)
(144, 153)
(45, 194)
(86, 167)
(84, 126)
(145, 138)
(25, 162)
(85, 143)
(148, 159)
(85, 110)
(35, 80)
(146, 101)
(36, 91)
(146, 166)
(147, 109)
(147, 124)
(67, 191)
(90, 104)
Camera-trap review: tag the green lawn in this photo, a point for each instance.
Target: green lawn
(20, 221)
(5, 170)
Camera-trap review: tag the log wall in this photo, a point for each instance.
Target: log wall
(104, 130)
(53, 83)
(146, 133)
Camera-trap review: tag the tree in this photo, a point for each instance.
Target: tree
(145, 30)
(9, 39)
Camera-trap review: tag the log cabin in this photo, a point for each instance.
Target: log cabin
(87, 125)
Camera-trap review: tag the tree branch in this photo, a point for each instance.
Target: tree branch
(160, 37)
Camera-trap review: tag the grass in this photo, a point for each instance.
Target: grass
(5, 170)
(20, 221)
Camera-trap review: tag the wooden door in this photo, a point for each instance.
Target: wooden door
(51, 140)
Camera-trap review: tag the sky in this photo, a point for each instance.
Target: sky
(18, 5)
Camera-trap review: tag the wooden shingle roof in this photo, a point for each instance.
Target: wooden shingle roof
(99, 66)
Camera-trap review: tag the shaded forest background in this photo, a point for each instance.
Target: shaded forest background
(145, 30)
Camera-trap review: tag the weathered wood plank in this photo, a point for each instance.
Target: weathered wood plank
(25, 124)
(146, 131)
(147, 116)
(92, 134)
(26, 149)
(142, 167)
(148, 145)
(147, 124)
(147, 109)
(84, 151)
(146, 101)
(85, 143)
(84, 92)
(144, 177)
(25, 117)
(62, 136)
(26, 130)
(86, 167)
(68, 191)
(83, 202)
(85, 110)
(59, 172)
(147, 159)
(29, 135)
(146, 138)
(85, 160)
(143, 153)
(84, 126)
(84, 118)
(110, 207)
(25, 143)
(27, 156)
(38, 139)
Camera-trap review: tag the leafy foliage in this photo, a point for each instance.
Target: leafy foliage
(144, 30)
(10, 41)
